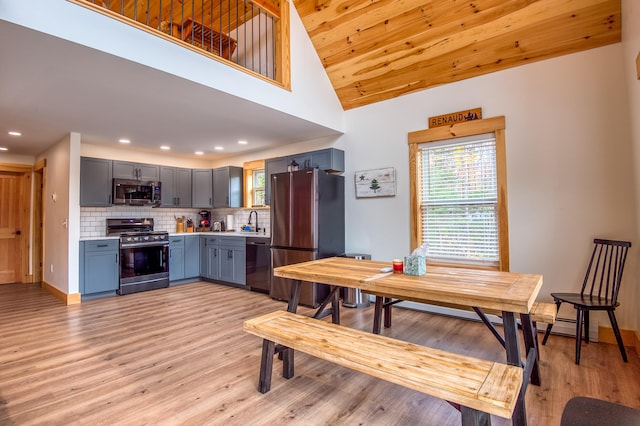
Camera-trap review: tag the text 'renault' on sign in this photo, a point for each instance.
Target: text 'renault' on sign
(455, 117)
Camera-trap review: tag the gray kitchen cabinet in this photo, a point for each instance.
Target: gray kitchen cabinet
(232, 260)
(208, 257)
(184, 257)
(202, 188)
(176, 258)
(191, 256)
(329, 159)
(271, 167)
(99, 267)
(176, 186)
(228, 187)
(136, 171)
(95, 182)
(223, 259)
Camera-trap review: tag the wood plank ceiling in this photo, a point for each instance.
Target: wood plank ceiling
(374, 50)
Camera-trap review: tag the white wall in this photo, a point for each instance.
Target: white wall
(569, 164)
(124, 153)
(631, 46)
(311, 96)
(62, 214)
(16, 159)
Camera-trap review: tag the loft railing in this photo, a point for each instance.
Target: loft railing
(247, 33)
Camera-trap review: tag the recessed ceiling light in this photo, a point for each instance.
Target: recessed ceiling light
(166, 148)
(199, 153)
(243, 142)
(124, 141)
(2, 148)
(14, 133)
(219, 148)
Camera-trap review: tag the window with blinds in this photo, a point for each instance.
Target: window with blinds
(459, 200)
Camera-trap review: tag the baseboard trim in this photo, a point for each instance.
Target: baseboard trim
(629, 337)
(67, 299)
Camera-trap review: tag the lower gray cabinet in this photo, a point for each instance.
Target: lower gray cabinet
(232, 260)
(176, 258)
(223, 259)
(184, 257)
(191, 256)
(208, 256)
(99, 267)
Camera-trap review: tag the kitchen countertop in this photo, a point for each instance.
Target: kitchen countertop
(172, 234)
(224, 234)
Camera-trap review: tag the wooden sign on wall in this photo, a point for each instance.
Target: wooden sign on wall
(455, 117)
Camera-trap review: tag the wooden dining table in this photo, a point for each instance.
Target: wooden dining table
(509, 293)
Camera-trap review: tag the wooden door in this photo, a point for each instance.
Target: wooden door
(10, 250)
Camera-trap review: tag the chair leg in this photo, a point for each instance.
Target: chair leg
(587, 321)
(579, 320)
(616, 331)
(549, 326)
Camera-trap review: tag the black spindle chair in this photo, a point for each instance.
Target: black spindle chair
(599, 290)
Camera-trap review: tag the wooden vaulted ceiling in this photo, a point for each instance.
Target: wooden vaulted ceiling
(375, 50)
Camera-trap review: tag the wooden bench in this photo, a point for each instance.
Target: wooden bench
(476, 387)
(544, 312)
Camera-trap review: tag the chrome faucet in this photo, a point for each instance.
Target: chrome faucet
(249, 222)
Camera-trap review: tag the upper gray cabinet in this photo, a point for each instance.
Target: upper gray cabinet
(202, 188)
(227, 187)
(95, 182)
(176, 186)
(137, 171)
(330, 160)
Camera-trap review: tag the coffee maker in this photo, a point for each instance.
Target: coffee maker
(204, 225)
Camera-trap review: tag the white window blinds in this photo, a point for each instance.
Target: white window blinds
(459, 200)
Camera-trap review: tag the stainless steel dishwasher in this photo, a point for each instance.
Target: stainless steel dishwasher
(258, 264)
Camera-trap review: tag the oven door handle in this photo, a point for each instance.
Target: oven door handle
(147, 244)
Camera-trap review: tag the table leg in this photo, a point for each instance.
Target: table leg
(531, 342)
(335, 306)
(387, 312)
(489, 325)
(284, 353)
(321, 313)
(511, 343)
(512, 348)
(377, 314)
(295, 296)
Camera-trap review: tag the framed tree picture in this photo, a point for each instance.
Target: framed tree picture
(376, 183)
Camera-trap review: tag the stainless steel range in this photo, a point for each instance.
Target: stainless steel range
(144, 255)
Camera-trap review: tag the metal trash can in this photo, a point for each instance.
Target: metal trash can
(353, 297)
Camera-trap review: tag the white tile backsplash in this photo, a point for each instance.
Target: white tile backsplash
(93, 220)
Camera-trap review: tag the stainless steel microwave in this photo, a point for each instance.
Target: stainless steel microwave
(136, 193)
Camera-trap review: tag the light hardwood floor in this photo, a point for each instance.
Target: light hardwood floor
(179, 356)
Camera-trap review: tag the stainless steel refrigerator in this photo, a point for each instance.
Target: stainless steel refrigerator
(307, 223)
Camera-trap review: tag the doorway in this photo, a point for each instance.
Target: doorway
(15, 207)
